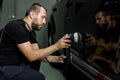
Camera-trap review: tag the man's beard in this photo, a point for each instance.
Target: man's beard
(104, 25)
(35, 27)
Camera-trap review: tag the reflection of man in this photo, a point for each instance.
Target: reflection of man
(108, 31)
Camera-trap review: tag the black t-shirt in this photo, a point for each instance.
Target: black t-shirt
(15, 32)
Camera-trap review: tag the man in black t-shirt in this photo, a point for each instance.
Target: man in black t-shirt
(18, 46)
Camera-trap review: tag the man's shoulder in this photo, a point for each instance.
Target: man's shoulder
(14, 25)
(17, 21)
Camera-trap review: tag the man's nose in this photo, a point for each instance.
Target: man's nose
(44, 21)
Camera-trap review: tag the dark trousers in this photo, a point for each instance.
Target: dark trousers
(12, 72)
(35, 65)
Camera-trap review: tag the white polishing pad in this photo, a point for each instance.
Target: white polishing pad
(77, 37)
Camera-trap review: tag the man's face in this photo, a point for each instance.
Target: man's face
(100, 19)
(39, 20)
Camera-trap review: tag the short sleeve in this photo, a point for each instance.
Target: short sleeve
(17, 31)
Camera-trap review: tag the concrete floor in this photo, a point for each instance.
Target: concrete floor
(53, 73)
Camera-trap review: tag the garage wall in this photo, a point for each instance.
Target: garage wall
(15, 9)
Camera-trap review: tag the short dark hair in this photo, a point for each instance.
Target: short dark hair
(105, 12)
(34, 7)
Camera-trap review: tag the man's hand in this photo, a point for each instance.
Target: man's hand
(63, 42)
(90, 40)
(57, 59)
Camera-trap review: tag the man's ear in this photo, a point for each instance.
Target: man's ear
(32, 14)
(106, 19)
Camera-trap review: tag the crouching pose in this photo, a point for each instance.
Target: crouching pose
(19, 47)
